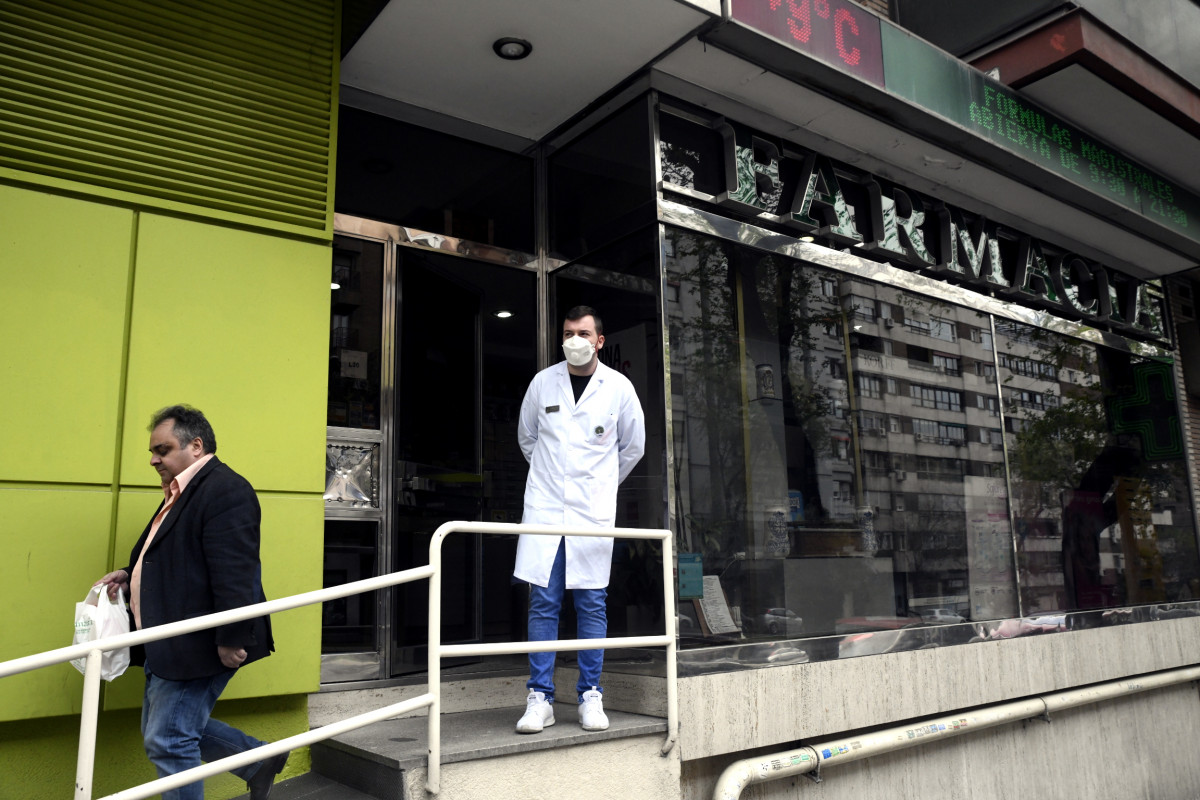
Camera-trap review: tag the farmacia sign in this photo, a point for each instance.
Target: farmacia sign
(780, 184)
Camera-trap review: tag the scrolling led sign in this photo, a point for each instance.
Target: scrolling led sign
(782, 185)
(852, 40)
(837, 32)
(1006, 118)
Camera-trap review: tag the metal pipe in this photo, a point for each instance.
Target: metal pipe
(433, 729)
(85, 762)
(808, 758)
(72, 652)
(669, 612)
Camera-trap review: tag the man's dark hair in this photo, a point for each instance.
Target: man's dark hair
(190, 423)
(579, 312)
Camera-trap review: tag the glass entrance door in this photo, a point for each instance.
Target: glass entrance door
(466, 344)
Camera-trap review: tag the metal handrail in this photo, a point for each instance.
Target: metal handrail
(93, 652)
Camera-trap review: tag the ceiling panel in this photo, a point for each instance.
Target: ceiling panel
(438, 55)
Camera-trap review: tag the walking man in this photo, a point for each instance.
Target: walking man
(198, 555)
(582, 430)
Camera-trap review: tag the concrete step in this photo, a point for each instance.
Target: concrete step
(313, 787)
(387, 760)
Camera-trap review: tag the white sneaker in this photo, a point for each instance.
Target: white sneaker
(591, 712)
(538, 714)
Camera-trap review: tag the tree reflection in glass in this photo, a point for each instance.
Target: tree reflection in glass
(1099, 489)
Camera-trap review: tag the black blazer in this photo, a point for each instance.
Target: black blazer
(203, 559)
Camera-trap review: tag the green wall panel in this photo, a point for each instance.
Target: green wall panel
(223, 108)
(291, 551)
(53, 547)
(235, 323)
(37, 757)
(64, 268)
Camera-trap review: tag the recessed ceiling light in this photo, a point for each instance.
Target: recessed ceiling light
(334, 285)
(502, 314)
(512, 49)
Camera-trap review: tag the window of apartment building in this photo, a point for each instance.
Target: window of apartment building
(870, 423)
(937, 431)
(869, 386)
(861, 308)
(1028, 367)
(992, 436)
(951, 365)
(937, 468)
(987, 403)
(878, 500)
(876, 460)
(933, 397)
(934, 327)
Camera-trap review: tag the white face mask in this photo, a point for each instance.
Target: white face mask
(579, 351)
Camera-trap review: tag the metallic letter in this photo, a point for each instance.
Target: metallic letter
(822, 204)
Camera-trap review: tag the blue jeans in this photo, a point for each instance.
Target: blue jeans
(178, 732)
(591, 612)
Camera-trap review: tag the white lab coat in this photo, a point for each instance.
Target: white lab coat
(578, 453)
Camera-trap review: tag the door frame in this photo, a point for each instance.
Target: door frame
(352, 670)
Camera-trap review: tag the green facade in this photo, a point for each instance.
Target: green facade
(166, 182)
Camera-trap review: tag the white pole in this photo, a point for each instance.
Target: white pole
(86, 761)
(433, 770)
(669, 612)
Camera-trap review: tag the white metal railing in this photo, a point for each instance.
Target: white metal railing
(93, 651)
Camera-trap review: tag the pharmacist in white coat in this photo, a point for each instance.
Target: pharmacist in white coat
(582, 430)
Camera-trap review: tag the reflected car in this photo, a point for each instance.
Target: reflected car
(876, 623)
(940, 616)
(1012, 628)
(873, 643)
(780, 621)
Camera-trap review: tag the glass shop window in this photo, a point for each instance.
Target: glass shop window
(1100, 494)
(797, 541)
(602, 184)
(691, 154)
(355, 334)
(400, 173)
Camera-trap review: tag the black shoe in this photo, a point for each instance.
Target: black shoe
(263, 781)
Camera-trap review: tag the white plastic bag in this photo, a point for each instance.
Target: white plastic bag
(97, 617)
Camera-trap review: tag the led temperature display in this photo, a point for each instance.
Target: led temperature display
(837, 32)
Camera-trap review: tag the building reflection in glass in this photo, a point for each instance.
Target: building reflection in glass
(1100, 499)
(867, 490)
